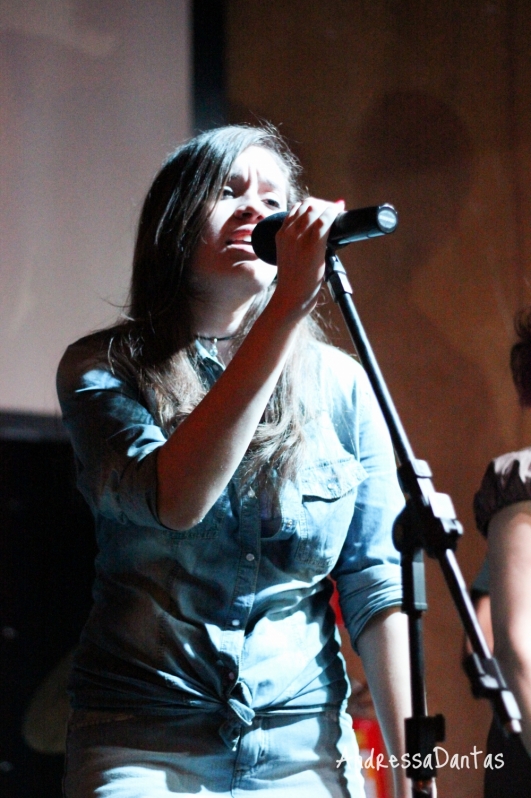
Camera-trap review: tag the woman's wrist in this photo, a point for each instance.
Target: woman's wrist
(285, 312)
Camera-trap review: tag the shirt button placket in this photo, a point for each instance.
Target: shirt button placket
(246, 578)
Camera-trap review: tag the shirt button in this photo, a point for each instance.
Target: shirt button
(249, 557)
(331, 485)
(231, 676)
(235, 622)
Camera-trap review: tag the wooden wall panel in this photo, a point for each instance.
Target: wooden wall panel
(426, 105)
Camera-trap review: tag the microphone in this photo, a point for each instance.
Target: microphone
(349, 226)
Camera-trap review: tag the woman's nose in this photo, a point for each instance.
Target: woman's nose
(251, 208)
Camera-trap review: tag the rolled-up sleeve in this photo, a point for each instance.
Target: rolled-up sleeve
(114, 437)
(368, 573)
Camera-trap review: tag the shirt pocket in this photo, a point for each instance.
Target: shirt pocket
(214, 522)
(328, 493)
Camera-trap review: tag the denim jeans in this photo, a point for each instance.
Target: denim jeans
(119, 755)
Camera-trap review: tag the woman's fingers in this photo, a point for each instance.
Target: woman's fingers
(303, 236)
(312, 211)
(301, 245)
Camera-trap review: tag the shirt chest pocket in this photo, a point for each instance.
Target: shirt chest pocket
(215, 521)
(328, 492)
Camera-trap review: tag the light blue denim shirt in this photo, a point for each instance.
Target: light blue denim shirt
(229, 615)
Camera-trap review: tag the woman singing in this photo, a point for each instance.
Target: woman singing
(233, 462)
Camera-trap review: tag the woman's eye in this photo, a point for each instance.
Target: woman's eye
(274, 203)
(227, 192)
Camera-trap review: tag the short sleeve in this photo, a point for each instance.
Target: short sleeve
(507, 480)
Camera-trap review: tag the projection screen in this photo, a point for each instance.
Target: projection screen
(93, 96)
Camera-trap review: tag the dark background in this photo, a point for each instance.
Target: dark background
(46, 554)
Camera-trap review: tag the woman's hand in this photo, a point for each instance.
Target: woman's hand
(301, 246)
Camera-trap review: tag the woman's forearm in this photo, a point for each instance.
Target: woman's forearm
(383, 646)
(195, 465)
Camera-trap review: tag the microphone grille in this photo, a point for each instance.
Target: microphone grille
(263, 237)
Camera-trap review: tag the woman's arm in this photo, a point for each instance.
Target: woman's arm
(509, 540)
(383, 646)
(368, 577)
(199, 459)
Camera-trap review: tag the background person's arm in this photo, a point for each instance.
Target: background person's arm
(509, 540)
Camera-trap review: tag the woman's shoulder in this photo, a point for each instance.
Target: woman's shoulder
(87, 351)
(507, 480)
(342, 376)
(88, 360)
(94, 344)
(343, 365)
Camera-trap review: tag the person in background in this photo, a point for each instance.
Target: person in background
(503, 513)
(479, 593)
(233, 462)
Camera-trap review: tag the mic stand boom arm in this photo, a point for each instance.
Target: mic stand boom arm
(427, 523)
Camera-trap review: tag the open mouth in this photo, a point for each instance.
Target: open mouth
(240, 240)
(241, 237)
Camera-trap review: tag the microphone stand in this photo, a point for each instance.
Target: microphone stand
(427, 523)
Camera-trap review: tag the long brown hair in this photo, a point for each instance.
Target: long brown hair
(156, 340)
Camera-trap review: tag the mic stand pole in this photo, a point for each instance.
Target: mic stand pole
(427, 523)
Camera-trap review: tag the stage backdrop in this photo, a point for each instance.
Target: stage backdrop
(426, 105)
(93, 95)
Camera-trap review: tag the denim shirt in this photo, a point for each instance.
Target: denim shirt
(223, 616)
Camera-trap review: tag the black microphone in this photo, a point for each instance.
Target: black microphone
(348, 227)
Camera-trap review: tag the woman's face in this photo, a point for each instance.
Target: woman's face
(224, 267)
